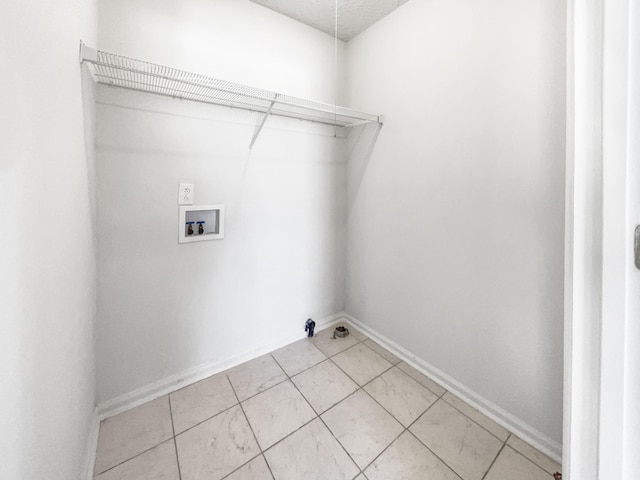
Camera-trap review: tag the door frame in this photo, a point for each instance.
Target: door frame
(600, 280)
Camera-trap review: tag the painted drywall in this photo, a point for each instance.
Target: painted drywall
(47, 243)
(455, 222)
(166, 307)
(237, 41)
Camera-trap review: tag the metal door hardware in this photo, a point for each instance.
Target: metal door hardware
(636, 247)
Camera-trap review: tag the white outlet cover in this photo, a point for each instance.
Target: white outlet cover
(185, 194)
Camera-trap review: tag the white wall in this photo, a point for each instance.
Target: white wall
(165, 307)
(47, 242)
(237, 41)
(455, 223)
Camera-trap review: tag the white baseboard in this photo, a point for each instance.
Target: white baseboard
(175, 382)
(516, 426)
(187, 377)
(92, 446)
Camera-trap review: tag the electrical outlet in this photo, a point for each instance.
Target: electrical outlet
(185, 194)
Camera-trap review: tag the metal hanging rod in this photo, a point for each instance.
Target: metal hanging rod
(116, 70)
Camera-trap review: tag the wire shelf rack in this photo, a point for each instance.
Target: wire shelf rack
(120, 71)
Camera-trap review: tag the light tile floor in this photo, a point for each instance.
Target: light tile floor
(318, 409)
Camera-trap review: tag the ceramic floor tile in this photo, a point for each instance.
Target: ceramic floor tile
(256, 469)
(311, 453)
(276, 413)
(510, 464)
(361, 363)
(298, 356)
(324, 385)
(255, 376)
(462, 444)
(361, 477)
(383, 352)
(408, 459)
(133, 432)
(200, 401)
(216, 447)
(536, 456)
(476, 416)
(352, 331)
(362, 427)
(159, 463)
(421, 378)
(330, 346)
(401, 395)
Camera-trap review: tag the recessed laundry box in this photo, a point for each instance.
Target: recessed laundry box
(200, 222)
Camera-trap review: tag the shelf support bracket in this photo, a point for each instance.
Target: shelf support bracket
(264, 119)
(88, 54)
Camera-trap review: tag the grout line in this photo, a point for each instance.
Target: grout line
(434, 454)
(424, 444)
(509, 429)
(241, 466)
(322, 420)
(319, 415)
(144, 451)
(481, 426)
(349, 377)
(366, 393)
(527, 458)
(296, 387)
(262, 391)
(439, 397)
(422, 374)
(384, 449)
(289, 434)
(206, 419)
(496, 458)
(175, 443)
(268, 466)
(385, 409)
(404, 429)
(504, 442)
(306, 369)
(394, 363)
(239, 404)
(360, 470)
(134, 456)
(464, 414)
(245, 415)
(237, 367)
(423, 413)
(353, 379)
(359, 342)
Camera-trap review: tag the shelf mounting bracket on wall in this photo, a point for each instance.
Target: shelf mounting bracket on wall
(119, 71)
(264, 119)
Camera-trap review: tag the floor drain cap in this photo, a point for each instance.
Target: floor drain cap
(340, 332)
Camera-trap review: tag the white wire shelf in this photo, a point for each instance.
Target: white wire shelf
(120, 71)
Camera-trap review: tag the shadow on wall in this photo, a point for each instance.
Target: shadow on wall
(89, 117)
(360, 144)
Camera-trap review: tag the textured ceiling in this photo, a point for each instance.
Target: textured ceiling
(354, 16)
